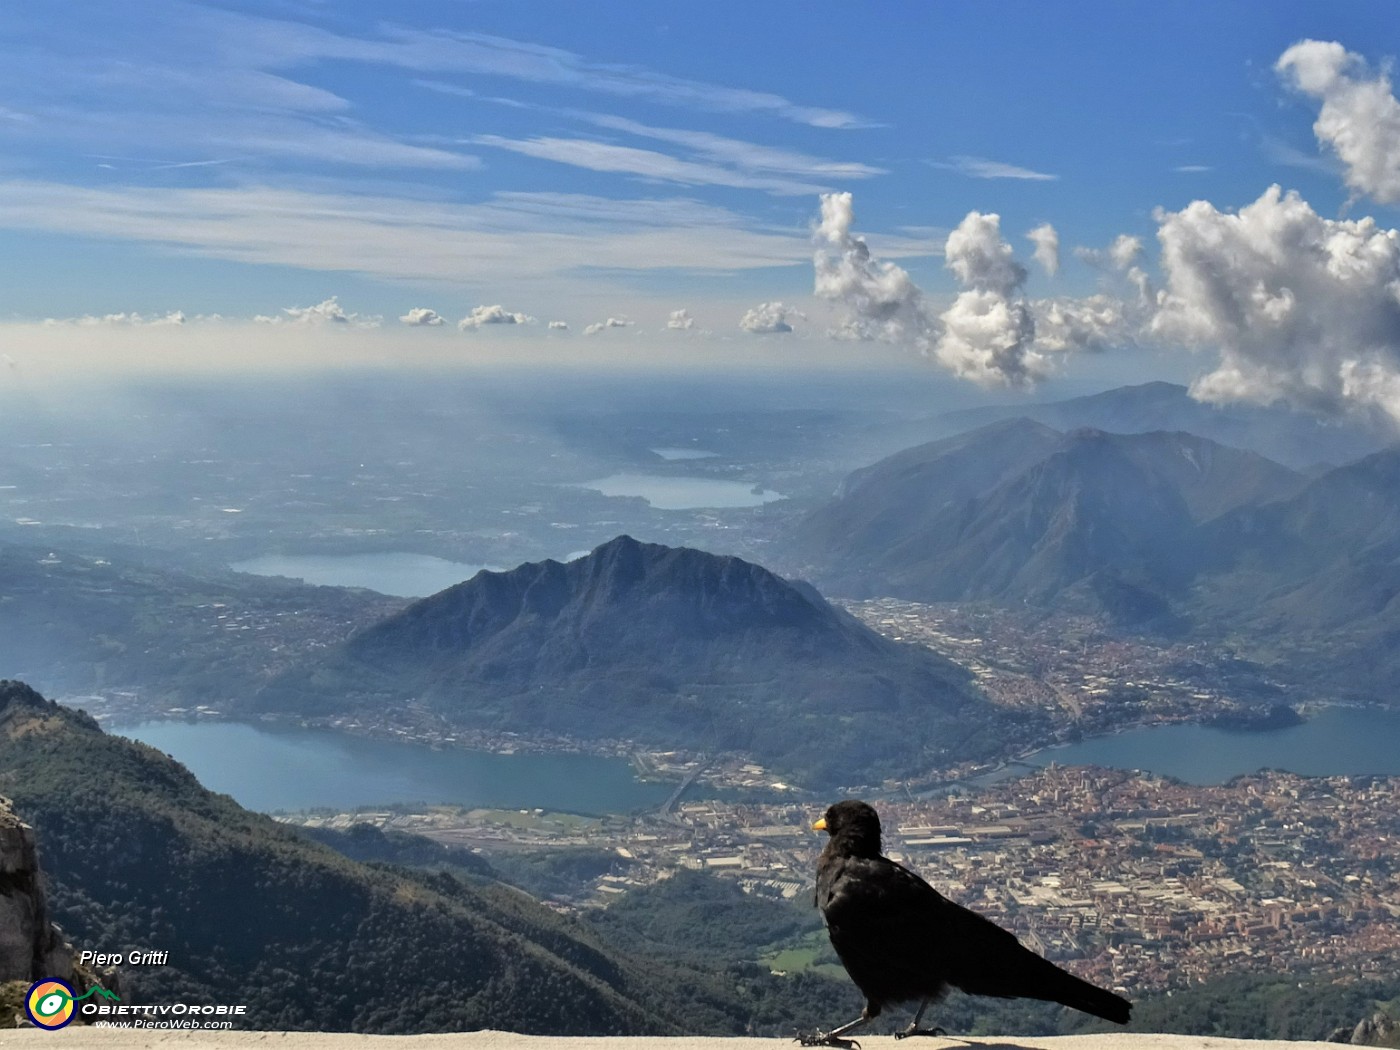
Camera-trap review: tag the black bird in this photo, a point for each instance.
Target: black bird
(903, 941)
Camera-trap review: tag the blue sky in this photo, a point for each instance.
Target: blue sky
(573, 162)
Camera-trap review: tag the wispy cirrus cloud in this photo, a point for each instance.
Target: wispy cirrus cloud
(270, 43)
(204, 111)
(443, 51)
(203, 83)
(982, 168)
(644, 163)
(510, 236)
(703, 157)
(750, 156)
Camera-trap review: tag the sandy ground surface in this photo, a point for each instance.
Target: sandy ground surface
(75, 1038)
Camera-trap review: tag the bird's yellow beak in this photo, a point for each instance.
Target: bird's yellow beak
(820, 825)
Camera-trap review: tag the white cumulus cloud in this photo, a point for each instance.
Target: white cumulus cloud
(980, 259)
(496, 314)
(1359, 119)
(989, 333)
(1096, 322)
(680, 320)
(1299, 307)
(881, 300)
(611, 322)
(1047, 247)
(1119, 256)
(770, 319)
(174, 317)
(327, 312)
(421, 316)
(558, 326)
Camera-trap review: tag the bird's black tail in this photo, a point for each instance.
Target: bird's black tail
(1018, 973)
(1068, 989)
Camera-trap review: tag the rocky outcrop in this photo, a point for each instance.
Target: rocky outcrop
(1380, 1029)
(31, 946)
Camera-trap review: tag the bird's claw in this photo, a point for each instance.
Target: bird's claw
(919, 1031)
(825, 1039)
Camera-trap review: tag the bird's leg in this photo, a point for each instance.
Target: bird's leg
(914, 1028)
(833, 1037)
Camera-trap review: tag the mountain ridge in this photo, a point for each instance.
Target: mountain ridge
(1297, 439)
(660, 645)
(1107, 516)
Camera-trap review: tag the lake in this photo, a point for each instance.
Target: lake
(1333, 741)
(671, 493)
(398, 573)
(268, 768)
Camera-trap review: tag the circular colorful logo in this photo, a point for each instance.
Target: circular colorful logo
(49, 1003)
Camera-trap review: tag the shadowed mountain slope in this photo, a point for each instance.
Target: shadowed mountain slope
(1017, 512)
(665, 646)
(1320, 570)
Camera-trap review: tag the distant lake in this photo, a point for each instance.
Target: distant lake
(269, 768)
(684, 453)
(666, 493)
(397, 573)
(1334, 741)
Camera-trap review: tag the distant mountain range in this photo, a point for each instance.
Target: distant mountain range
(1015, 511)
(665, 646)
(1159, 531)
(1294, 438)
(1317, 575)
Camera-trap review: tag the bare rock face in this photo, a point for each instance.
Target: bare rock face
(31, 946)
(1377, 1030)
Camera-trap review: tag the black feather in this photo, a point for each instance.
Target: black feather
(903, 941)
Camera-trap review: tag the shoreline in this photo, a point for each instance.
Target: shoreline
(723, 773)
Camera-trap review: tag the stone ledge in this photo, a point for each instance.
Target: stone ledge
(74, 1038)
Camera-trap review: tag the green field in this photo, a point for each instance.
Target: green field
(813, 953)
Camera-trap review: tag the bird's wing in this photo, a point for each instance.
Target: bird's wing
(989, 959)
(884, 923)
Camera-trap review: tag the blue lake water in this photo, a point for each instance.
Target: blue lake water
(667, 493)
(398, 573)
(1333, 741)
(271, 768)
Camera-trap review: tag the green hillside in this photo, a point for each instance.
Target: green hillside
(139, 855)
